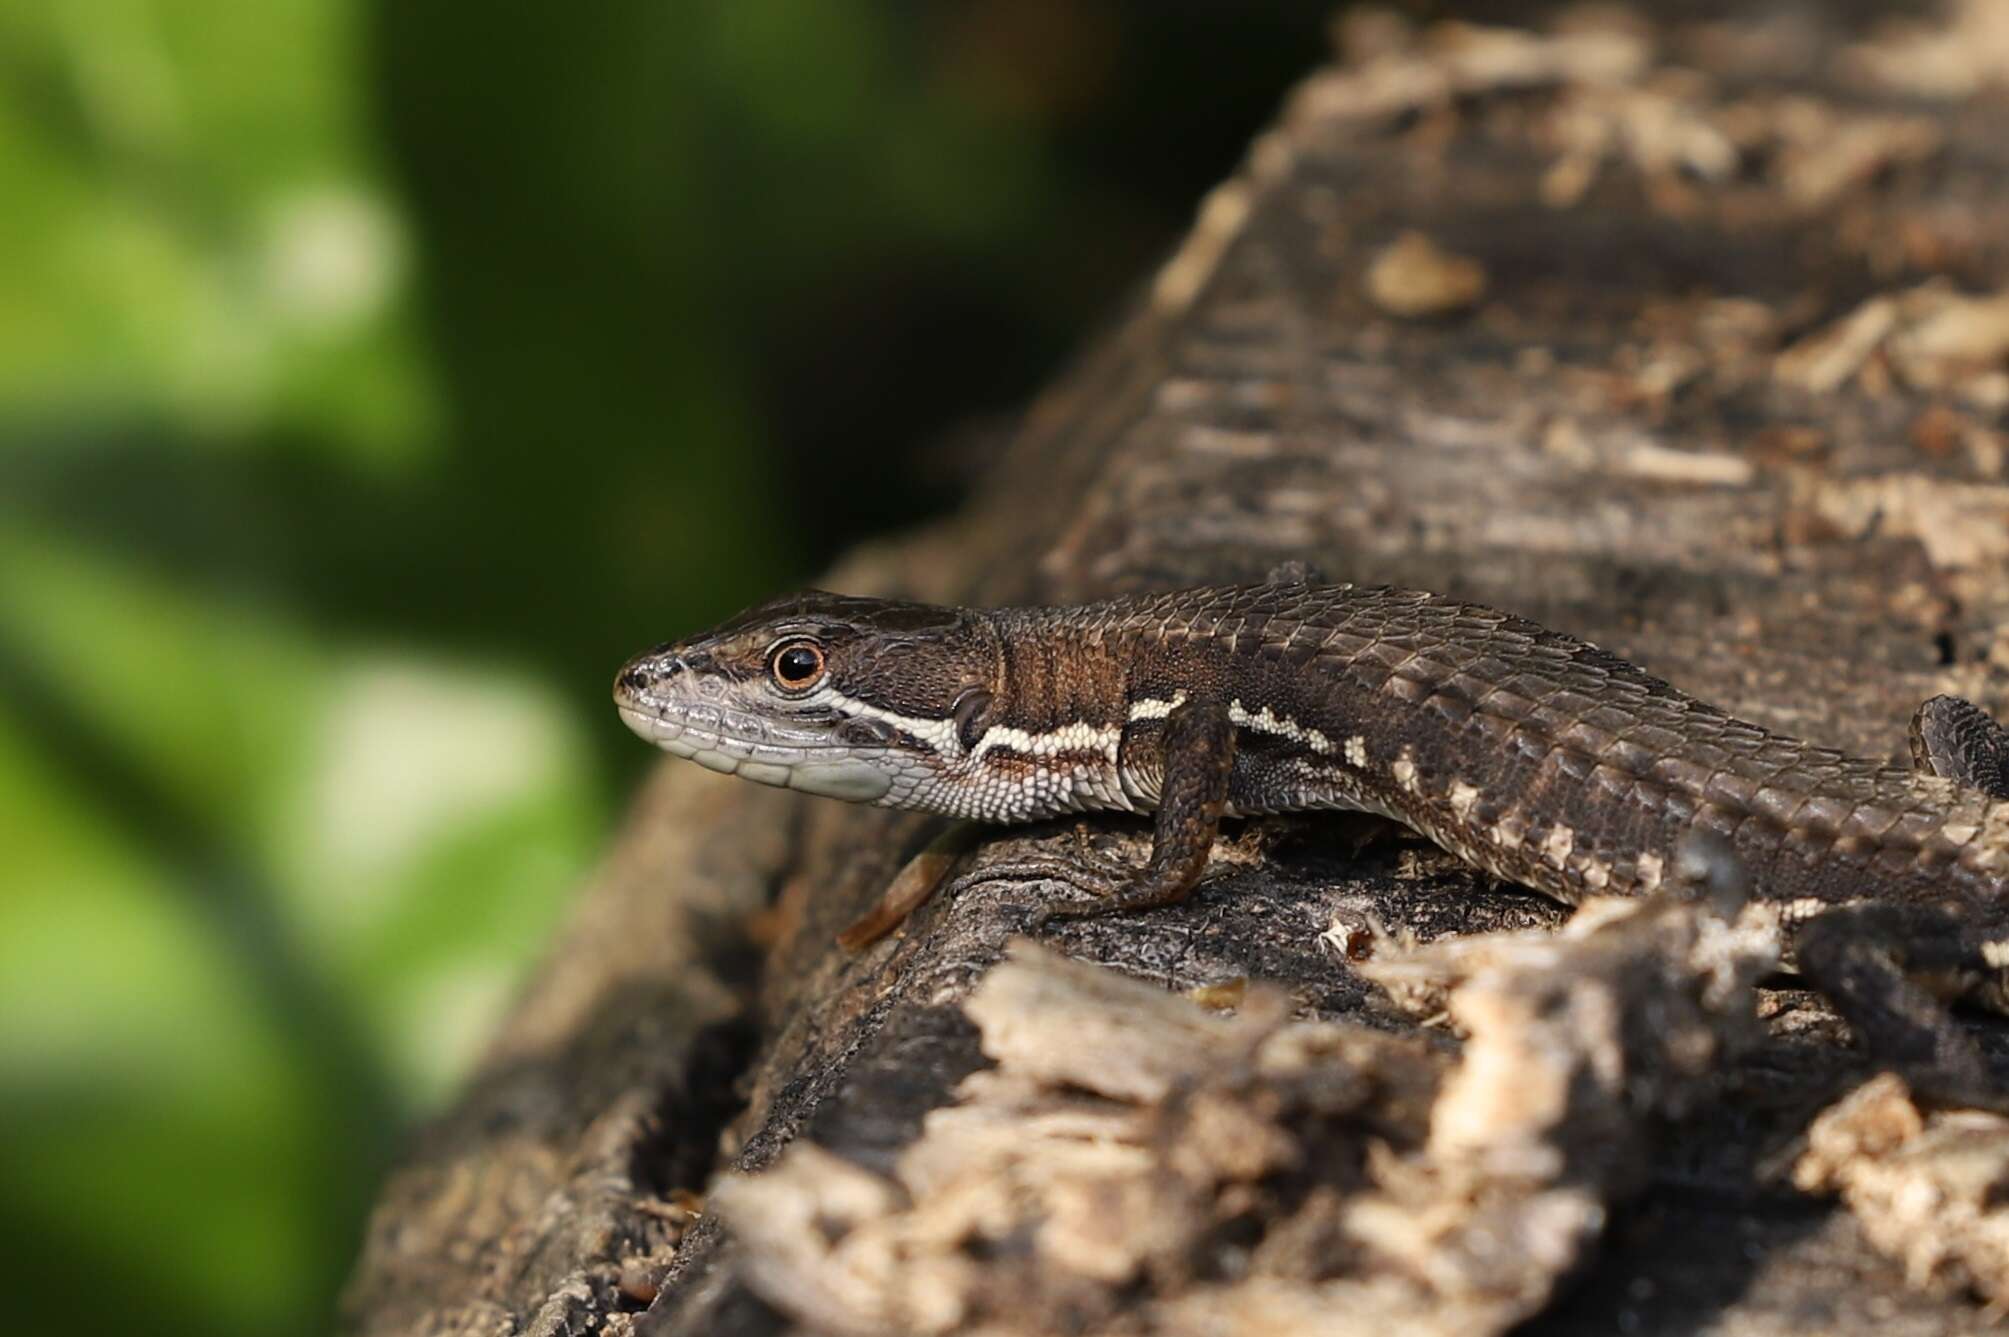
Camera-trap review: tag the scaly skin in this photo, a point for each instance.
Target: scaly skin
(1529, 753)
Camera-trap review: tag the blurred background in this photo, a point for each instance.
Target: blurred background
(374, 376)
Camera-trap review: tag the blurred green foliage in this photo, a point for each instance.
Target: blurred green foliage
(373, 378)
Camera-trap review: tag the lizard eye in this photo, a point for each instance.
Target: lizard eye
(797, 665)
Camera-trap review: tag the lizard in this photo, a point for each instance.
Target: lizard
(1536, 756)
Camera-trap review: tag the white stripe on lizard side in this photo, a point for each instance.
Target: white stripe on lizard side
(1076, 737)
(941, 734)
(1269, 722)
(1156, 708)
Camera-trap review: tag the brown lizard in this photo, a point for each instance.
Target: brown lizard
(1529, 753)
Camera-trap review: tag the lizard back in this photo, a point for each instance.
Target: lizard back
(1528, 752)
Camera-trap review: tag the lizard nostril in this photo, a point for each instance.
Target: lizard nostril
(637, 676)
(650, 672)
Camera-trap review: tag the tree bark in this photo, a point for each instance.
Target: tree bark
(1678, 336)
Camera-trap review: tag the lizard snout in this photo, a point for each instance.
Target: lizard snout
(648, 677)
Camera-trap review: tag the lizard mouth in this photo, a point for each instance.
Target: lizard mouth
(735, 743)
(728, 741)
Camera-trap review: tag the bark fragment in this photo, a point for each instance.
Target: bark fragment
(1928, 1186)
(1130, 1152)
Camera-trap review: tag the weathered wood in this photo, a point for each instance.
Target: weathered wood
(1682, 366)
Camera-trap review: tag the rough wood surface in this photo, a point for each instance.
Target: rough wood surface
(1689, 337)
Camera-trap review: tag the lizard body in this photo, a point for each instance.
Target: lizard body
(1527, 752)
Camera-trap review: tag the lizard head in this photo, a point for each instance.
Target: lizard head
(861, 699)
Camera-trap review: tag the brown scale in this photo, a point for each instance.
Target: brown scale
(1503, 727)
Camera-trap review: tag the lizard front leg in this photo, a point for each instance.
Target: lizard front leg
(1197, 747)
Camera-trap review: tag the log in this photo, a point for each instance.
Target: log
(1689, 336)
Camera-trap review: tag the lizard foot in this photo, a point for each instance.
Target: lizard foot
(1866, 960)
(1959, 741)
